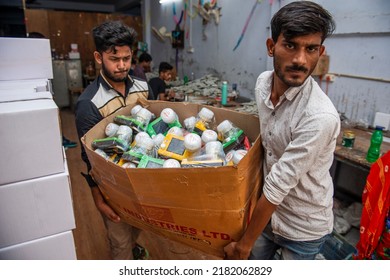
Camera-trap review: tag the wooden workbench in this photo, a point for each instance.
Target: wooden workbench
(357, 155)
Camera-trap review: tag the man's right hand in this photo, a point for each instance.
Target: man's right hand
(103, 207)
(233, 251)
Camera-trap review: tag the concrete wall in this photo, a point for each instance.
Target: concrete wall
(358, 51)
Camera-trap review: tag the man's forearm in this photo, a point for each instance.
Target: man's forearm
(260, 218)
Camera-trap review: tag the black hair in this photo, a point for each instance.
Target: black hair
(144, 57)
(110, 34)
(164, 67)
(302, 18)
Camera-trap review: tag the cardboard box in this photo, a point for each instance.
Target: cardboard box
(205, 208)
(31, 143)
(383, 120)
(25, 90)
(54, 247)
(25, 58)
(35, 208)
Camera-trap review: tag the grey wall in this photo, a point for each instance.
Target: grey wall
(358, 51)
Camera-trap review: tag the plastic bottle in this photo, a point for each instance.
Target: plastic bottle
(171, 163)
(102, 153)
(209, 135)
(125, 133)
(204, 120)
(135, 110)
(143, 116)
(129, 165)
(192, 142)
(224, 93)
(189, 123)
(176, 131)
(143, 145)
(111, 129)
(231, 136)
(238, 155)
(170, 117)
(375, 146)
(215, 150)
(158, 139)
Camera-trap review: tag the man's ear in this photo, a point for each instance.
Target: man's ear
(322, 49)
(270, 47)
(98, 57)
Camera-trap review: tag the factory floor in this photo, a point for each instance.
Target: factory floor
(90, 235)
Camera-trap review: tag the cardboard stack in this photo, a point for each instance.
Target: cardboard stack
(36, 210)
(205, 208)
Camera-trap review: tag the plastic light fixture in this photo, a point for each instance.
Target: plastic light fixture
(168, 1)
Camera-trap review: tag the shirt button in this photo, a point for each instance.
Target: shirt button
(270, 154)
(273, 114)
(270, 133)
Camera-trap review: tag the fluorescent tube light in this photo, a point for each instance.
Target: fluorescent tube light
(168, 1)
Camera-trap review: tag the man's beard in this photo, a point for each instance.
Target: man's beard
(111, 77)
(283, 73)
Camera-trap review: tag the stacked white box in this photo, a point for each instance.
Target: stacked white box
(54, 247)
(36, 209)
(383, 120)
(31, 144)
(24, 59)
(43, 207)
(25, 90)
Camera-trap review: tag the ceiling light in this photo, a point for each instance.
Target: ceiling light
(168, 1)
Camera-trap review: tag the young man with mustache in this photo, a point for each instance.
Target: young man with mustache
(299, 127)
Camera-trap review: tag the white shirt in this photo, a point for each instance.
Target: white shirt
(299, 138)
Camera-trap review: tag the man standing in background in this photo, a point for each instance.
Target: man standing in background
(143, 66)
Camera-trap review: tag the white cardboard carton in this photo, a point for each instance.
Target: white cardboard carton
(25, 90)
(54, 247)
(25, 58)
(35, 208)
(382, 119)
(31, 143)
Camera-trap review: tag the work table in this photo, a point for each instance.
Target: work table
(357, 155)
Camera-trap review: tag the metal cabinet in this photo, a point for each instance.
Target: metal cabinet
(67, 75)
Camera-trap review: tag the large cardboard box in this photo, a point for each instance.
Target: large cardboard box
(31, 143)
(205, 208)
(35, 208)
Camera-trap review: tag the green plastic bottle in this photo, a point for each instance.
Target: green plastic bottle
(375, 146)
(224, 93)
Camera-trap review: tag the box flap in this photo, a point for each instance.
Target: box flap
(25, 90)
(25, 58)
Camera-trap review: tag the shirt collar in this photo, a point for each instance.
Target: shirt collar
(264, 86)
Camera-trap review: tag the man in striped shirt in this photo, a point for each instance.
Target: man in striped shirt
(109, 92)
